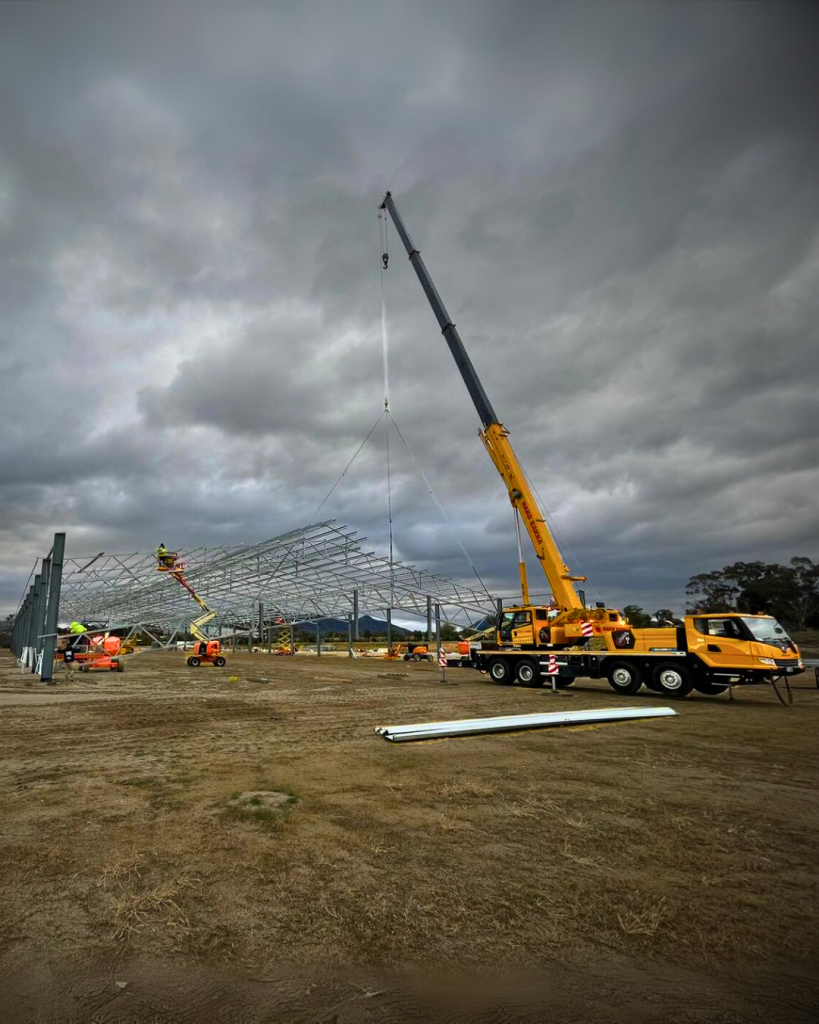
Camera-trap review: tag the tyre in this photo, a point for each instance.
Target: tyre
(193, 661)
(120, 666)
(673, 679)
(623, 677)
(528, 674)
(711, 689)
(219, 662)
(416, 657)
(499, 671)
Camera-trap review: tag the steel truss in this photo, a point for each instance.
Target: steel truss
(317, 572)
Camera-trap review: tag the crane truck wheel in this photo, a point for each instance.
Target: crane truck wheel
(624, 678)
(193, 662)
(673, 680)
(528, 674)
(219, 662)
(416, 657)
(499, 671)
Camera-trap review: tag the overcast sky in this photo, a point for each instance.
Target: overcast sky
(619, 205)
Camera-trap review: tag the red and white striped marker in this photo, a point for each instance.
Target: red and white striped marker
(552, 668)
(587, 628)
(442, 658)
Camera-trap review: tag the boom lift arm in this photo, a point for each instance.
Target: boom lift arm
(496, 440)
(209, 614)
(170, 566)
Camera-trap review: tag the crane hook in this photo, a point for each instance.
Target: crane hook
(386, 258)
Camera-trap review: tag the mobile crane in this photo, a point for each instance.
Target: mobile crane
(527, 637)
(204, 650)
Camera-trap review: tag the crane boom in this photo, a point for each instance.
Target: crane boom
(496, 440)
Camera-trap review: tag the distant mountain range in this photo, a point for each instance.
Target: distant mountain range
(366, 624)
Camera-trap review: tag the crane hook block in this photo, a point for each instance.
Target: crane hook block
(386, 258)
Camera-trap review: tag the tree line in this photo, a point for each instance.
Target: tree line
(788, 592)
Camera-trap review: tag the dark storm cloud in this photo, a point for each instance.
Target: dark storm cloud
(619, 205)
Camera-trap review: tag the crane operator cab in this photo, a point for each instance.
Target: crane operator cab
(209, 652)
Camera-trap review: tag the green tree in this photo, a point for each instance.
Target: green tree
(449, 632)
(788, 592)
(636, 616)
(665, 615)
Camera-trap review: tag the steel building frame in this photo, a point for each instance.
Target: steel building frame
(316, 572)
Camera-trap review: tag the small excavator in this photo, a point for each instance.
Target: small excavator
(205, 650)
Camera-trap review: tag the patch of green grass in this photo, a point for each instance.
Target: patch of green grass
(253, 806)
(263, 815)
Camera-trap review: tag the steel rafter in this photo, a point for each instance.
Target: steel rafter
(306, 574)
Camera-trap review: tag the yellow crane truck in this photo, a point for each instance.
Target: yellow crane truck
(565, 640)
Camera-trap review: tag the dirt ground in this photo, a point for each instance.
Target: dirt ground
(663, 870)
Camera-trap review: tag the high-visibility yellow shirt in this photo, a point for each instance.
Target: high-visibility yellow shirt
(77, 627)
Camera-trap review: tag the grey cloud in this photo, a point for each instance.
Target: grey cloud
(619, 207)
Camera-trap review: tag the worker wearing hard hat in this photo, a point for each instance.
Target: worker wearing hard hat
(77, 631)
(164, 557)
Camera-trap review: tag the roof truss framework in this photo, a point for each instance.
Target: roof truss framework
(306, 574)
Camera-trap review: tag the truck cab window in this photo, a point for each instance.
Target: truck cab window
(726, 628)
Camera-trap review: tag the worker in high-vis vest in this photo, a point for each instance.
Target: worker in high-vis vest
(77, 631)
(164, 557)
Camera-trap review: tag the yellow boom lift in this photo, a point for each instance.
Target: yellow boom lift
(205, 651)
(708, 652)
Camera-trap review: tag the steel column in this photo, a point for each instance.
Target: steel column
(389, 629)
(356, 635)
(350, 652)
(438, 629)
(40, 610)
(53, 608)
(429, 621)
(318, 638)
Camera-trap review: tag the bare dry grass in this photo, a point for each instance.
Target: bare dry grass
(133, 816)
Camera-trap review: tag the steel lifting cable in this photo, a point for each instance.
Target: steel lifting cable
(385, 258)
(344, 471)
(441, 509)
(383, 238)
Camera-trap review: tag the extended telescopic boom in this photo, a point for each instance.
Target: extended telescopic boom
(496, 439)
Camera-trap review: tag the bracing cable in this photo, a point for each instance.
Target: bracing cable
(389, 503)
(441, 508)
(344, 471)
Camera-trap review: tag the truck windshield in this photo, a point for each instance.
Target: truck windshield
(766, 630)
